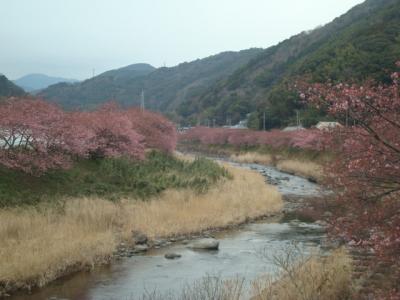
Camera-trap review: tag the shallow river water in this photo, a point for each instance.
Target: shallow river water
(242, 254)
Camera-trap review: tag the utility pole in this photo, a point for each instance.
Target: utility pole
(264, 118)
(93, 70)
(142, 100)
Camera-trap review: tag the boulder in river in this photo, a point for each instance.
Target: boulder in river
(140, 248)
(205, 244)
(159, 242)
(172, 256)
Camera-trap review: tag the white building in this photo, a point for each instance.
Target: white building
(328, 125)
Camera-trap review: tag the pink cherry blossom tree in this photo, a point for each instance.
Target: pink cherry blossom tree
(366, 169)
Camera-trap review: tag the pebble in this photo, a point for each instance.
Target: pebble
(172, 256)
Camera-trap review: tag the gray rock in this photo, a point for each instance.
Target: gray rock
(159, 242)
(321, 223)
(172, 256)
(205, 244)
(140, 248)
(139, 238)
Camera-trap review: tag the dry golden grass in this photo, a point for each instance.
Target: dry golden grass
(253, 157)
(39, 245)
(182, 212)
(309, 278)
(301, 168)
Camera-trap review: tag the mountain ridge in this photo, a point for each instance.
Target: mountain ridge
(37, 81)
(230, 86)
(165, 88)
(364, 41)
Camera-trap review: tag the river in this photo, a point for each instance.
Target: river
(242, 254)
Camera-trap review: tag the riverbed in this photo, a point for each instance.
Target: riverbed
(243, 253)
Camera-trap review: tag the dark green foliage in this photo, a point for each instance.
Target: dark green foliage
(110, 178)
(9, 89)
(165, 88)
(363, 43)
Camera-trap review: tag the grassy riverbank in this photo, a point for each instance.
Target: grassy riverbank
(301, 162)
(43, 242)
(110, 179)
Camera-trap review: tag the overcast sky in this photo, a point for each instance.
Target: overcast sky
(70, 38)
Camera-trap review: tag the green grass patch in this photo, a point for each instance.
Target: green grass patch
(112, 179)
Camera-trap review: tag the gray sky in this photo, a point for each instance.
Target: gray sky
(69, 38)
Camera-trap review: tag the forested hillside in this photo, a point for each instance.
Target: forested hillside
(363, 43)
(97, 90)
(9, 89)
(165, 88)
(230, 86)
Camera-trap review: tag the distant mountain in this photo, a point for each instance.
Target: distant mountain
(35, 82)
(363, 43)
(230, 86)
(165, 88)
(9, 89)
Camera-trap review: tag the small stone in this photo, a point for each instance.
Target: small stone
(321, 223)
(172, 256)
(140, 248)
(312, 179)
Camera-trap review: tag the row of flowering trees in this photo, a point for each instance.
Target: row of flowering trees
(36, 136)
(304, 139)
(366, 171)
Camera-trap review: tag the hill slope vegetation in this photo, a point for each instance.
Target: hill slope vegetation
(165, 88)
(363, 43)
(9, 89)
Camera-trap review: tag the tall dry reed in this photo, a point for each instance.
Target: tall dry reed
(40, 244)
